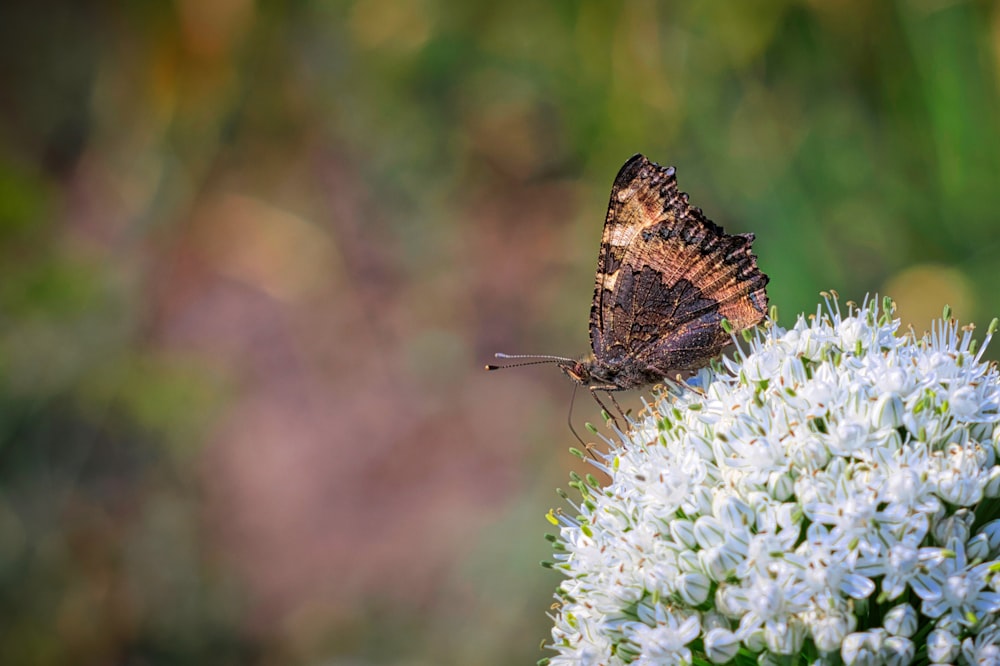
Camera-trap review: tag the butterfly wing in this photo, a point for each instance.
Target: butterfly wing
(667, 276)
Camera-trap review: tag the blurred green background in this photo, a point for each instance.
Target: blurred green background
(254, 256)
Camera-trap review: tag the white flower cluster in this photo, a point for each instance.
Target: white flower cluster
(828, 495)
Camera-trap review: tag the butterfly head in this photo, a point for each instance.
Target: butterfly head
(578, 371)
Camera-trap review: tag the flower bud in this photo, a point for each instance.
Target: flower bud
(682, 532)
(992, 532)
(721, 645)
(733, 512)
(942, 646)
(888, 411)
(977, 548)
(898, 651)
(694, 588)
(901, 620)
(709, 532)
(780, 485)
(992, 488)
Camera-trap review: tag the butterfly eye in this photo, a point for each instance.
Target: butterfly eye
(578, 372)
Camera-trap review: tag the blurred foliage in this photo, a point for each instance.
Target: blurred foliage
(254, 255)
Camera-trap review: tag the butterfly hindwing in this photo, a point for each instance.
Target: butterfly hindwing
(666, 277)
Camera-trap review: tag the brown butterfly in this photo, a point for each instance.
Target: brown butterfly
(666, 278)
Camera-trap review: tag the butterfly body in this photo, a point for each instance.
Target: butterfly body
(610, 374)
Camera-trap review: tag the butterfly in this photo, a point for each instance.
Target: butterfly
(667, 277)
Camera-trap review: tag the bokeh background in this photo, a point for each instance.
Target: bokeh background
(253, 256)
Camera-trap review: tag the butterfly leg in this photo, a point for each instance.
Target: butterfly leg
(617, 406)
(604, 408)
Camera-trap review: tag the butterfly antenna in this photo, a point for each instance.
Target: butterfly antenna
(538, 360)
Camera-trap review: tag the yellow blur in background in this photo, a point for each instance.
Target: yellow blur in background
(256, 254)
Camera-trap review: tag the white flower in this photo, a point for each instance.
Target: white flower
(771, 600)
(852, 518)
(961, 476)
(862, 648)
(582, 640)
(666, 642)
(799, 501)
(984, 649)
(956, 588)
(903, 564)
(829, 630)
(827, 574)
(957, 526)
